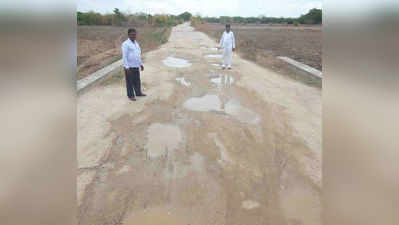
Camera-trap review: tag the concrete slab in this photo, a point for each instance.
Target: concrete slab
(302, 67)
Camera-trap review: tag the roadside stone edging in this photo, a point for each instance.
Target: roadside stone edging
(302, 67)
(97, 76)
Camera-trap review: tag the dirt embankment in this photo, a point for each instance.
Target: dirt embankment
(99, 46)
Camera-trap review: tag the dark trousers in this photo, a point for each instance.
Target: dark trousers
(133, 82)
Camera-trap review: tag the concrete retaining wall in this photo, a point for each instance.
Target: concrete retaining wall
(302, 68)
(97, 76)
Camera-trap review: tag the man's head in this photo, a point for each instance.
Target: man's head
(132, 34)
(228, 27)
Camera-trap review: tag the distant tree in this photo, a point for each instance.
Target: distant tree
(119, 18)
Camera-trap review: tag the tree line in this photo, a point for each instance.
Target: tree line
(314, 16)
(118, 18)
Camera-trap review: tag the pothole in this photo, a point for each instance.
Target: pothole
(176, 62)
(241, 113)
(162, 140)
(205, 103)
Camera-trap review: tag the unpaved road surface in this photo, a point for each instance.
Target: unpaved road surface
(205, 147)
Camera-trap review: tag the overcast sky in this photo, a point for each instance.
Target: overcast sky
(274, 8)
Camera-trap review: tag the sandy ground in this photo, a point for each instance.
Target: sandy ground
(205, 147)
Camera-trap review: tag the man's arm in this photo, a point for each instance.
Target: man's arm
(234, 41)
(124, 57)
(221, 41)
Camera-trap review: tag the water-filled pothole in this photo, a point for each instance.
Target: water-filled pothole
(212, 103)
(176, 62)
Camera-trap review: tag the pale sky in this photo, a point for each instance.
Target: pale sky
(245, 8)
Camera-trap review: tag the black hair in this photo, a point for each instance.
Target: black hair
(228, 25)
(131, 30)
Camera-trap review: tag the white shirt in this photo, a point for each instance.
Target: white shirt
(227, 40)
(131, 54)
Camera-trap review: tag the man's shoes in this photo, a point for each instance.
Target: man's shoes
(141, 95)
(132, 99)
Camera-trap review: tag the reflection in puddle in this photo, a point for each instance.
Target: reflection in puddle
(212, 103)
(223, 80)
(183, 82)
(215, 64)
(176, 62)
(213, 56)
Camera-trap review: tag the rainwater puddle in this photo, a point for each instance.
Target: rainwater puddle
(162, 139)
(176, 62)
(215, 64)
(213, 56)
(183, 82)
(212, 103)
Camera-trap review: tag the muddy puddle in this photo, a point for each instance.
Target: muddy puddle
(212, 103)
(162, 140)
(183, 82)
(172, 61)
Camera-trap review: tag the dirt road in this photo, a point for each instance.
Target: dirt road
(205, 147)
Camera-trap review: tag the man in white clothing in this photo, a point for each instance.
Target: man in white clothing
(227, 42)
(131, 57)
